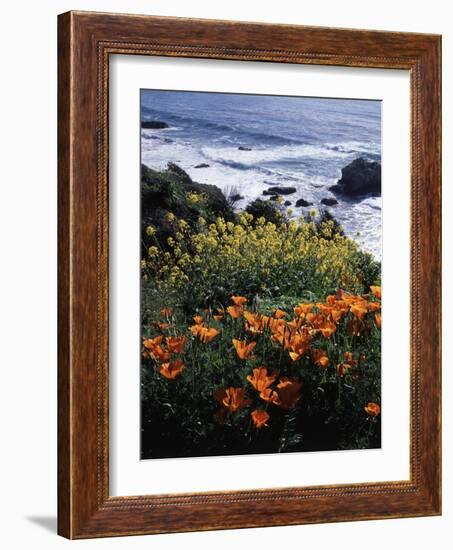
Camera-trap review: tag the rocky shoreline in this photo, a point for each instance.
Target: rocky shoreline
(301, 179)
(359, 179)
(167, 190)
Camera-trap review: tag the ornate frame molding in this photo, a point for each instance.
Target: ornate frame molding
(86, 40)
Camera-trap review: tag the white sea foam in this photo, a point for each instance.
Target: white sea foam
(354, 147)
(361, 219)
(255, 156)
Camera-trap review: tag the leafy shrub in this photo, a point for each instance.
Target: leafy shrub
(267, 210)
(204, 264)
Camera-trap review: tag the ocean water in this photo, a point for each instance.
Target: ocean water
(294, 141)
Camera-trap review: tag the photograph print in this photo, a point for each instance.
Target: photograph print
(260, 274)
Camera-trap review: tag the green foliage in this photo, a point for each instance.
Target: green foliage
(266, 209)
(173, 192)
(203, 264)
(196, 254)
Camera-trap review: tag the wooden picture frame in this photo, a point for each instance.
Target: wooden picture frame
(85, 41)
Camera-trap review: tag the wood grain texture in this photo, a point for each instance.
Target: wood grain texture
(86, 40)
(64, 389)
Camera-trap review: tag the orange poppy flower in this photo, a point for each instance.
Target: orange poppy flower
(336, 315)
(282, 336)
(163, 326)
(346, 297)
(377, 318)
(232, 398)
(359, 311)
(242, 348)
(171, 370)
(176, 344)
(261, 379)
(343, 306)
(331, 300)
(217, 317)
(295, 323)
(198, 319)
(260, 418)
(151, 343)
(286, 335)
(374, 306)
(208, 334)
(288, 391)
(254, 323)
(320, 358)
(196, 329)
(328, 329)
(254, 330)
(271, 396)
(325, 310)
(312, 318)
(235, 311)
(159, 354)
(298, 346)
(275, 324)
(349, 359)
(238, 300)
(264, 320)
(303, 309)
(279, 314)
(343, 368)
(166, 311)
(372, 409)
(376, 291)
(250, 317)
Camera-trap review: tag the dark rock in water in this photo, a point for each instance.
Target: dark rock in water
(336, 188)
(279, 191)
(202, 165)
(154, 124)
(273, 198)
(241, 148)
(329, 202)
(168, 140)
(360, 177)
(288, 203)
(303, 203)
